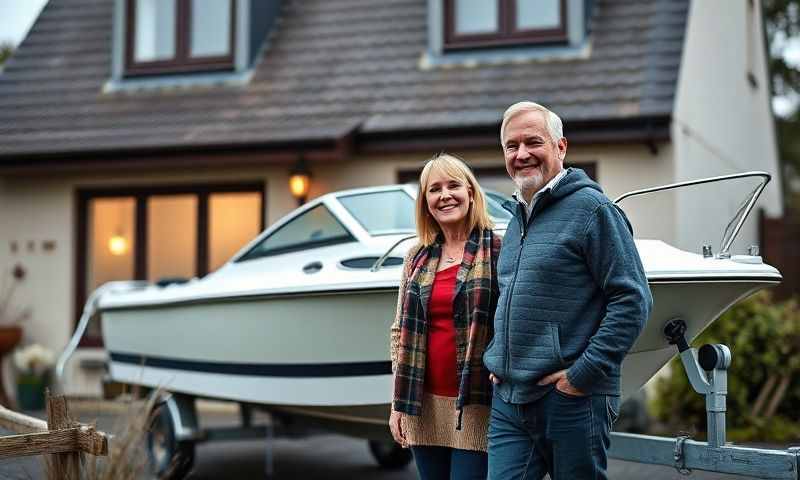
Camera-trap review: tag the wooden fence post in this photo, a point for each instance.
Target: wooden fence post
(61, 466)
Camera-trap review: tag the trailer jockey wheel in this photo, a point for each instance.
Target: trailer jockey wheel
(390, 455)
(169, 459)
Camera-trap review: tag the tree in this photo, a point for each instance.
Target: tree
(5, 51)
(782, 19)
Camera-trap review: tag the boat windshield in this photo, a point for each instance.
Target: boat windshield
(382, 213)
(314, 228)
(494, 204)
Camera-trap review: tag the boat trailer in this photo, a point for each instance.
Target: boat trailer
(707, 370)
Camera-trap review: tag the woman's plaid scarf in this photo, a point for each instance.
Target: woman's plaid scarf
(473, 313)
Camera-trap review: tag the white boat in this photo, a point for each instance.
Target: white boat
(299, 319)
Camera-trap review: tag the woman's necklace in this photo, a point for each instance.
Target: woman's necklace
(452, 258)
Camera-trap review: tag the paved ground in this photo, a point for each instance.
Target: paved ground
(320, 457)
(327, 457)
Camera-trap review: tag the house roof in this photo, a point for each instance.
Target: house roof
(334, 69)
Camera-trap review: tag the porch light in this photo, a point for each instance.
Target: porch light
(300, 181)
(118, 245)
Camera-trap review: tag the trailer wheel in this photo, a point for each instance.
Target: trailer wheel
(169, 459)
(390, 455)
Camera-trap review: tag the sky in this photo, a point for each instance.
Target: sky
(16, 17)
(791, 52)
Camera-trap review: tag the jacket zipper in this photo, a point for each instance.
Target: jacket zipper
(523, 230)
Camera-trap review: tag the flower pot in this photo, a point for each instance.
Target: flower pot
(10, 335)
(30, 393)
(9, 338)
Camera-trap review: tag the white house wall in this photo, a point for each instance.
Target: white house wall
(621, 170)
(723, 124)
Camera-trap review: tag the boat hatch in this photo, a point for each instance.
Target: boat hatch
(368, 262)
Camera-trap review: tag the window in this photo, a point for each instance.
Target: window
(382, 213)
(172, 36)
(155, 233)
(314, 228)
(489, 23)
(231, 224)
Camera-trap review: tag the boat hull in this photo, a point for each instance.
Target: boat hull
(311, 349)
(698, 303)
(317, 350)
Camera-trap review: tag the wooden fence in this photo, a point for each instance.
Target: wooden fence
(780, 247)
(60, 437)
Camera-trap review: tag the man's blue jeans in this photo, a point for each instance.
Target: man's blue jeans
(563, 435)
(443, 463)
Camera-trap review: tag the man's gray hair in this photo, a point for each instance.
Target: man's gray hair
(554, 125)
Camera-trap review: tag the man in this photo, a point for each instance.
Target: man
(573, 299)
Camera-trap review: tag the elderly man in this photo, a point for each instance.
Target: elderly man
(573, 299)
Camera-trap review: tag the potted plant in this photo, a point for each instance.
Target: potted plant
(33, 365)
(11, 319)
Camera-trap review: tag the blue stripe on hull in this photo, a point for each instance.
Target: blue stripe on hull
(300, 370)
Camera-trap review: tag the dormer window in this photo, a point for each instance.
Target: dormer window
(491, 23)
(175, 36)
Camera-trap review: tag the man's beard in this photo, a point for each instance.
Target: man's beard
(530, 184)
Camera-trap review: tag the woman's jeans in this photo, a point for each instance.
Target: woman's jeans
(560, 434)
(443, 463)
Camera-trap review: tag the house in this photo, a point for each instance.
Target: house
(152, 138)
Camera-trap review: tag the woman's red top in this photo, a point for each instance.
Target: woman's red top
(440, 367)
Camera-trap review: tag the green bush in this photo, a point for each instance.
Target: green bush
(763, 381)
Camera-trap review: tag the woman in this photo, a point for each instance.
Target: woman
(445, 310)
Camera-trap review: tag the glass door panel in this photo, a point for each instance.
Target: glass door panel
(111, 249)
(234, 220)
(111, 237)
(171, 236)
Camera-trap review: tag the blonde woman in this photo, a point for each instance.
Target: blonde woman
(444, 319)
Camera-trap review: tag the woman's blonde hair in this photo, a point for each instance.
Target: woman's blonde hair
(453, 167)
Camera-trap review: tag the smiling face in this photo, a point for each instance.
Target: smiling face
(532, 158)
(448, 199)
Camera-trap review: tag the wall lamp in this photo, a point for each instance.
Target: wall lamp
(300, 181)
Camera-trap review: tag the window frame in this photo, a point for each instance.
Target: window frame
(506, 34)
(182, 62)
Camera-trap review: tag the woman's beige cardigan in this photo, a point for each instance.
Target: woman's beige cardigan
(436, 426)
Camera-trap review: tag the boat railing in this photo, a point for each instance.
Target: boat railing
(379, 262)
(89, 309)
(736, 223)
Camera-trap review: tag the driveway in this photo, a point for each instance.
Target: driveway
(328, 456)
